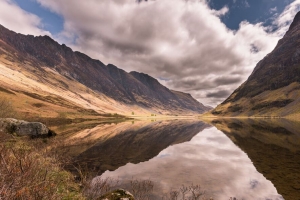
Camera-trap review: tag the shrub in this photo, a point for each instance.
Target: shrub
(192, 192)
(96, 188)
(27, 173)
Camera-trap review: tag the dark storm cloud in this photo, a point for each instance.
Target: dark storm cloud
(199, 83)
(219, 94)
(227, 80)
(191, 85)
(183, 42)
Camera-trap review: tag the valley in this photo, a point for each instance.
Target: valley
(96, 127)
(51, 80)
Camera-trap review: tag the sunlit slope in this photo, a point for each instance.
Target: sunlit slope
(273, 88)
(40, 66)
(284, 102)
(49, 94)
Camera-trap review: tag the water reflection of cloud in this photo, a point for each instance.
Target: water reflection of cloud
(218, 140)
(254, 184)
(163, 155)
(209, 159)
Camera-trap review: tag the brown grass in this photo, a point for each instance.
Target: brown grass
(28, 173)
(33, 169)
(6, 108)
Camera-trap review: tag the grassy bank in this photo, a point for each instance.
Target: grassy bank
(29, 171)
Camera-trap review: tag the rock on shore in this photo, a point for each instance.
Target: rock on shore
(23, 128)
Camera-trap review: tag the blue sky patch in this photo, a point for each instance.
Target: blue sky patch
(253, 11)
(52, 22)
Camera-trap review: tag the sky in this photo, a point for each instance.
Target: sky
(203, 47)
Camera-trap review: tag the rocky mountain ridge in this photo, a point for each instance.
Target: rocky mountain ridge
(141, 92)
(273, 88)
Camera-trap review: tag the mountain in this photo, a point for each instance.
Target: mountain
(53, 78)
(273, 88)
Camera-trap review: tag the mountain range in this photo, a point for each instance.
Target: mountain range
(273, 88)
(41, 77)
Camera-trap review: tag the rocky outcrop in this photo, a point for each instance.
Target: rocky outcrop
(23, 128)
(273, 88)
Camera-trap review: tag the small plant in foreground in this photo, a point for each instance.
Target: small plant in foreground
(97, 187)
(192, 192)
(26, 173)
(141, 189)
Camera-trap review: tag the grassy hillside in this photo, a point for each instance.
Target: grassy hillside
(283, 102)
(273, 88)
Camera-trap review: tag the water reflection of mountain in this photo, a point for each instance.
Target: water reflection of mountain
(119, 144)
(274, 148)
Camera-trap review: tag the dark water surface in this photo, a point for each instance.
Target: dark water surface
(246, 159)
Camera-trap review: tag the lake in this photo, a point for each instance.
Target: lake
(246, 159)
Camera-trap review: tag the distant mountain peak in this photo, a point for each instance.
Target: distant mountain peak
(295, 23)
(273, 88)
(143, 75)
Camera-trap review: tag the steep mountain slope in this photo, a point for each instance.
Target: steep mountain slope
(273, 88)
(40, 66)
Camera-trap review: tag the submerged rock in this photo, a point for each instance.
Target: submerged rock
(118, 194)
(23, 128)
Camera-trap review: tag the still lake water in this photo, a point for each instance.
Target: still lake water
(246, 159)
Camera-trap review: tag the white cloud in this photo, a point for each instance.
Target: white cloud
(272, 10)
(221, 12)
(14, 18)
(183, 42)
(286, 17)
(247, 5)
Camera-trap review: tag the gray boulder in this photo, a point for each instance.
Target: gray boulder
(23, 128)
